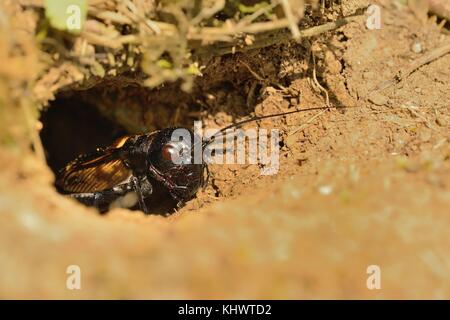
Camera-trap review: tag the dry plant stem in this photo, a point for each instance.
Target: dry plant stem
(291, 19)
(274, 37)
(250, 18)
(260, 78)
(403, 74)
(433, 55)
(270, 32)
(207, 13)
(307, 123)
(316, 82)
(257, 76)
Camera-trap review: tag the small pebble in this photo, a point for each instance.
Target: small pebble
(325, 190)
(417, 47)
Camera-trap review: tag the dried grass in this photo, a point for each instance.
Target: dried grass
(153, 42)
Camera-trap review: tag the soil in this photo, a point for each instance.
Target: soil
(364, 184)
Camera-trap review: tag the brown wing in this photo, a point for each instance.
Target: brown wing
(94, 172)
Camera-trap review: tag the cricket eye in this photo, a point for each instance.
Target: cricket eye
(170, 152)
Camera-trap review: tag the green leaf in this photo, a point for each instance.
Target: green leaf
(193, 69)
(66, 15)
(164, 64)
(97, 69)
(251, 9)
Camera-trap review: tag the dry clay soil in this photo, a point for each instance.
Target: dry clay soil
(357, 187)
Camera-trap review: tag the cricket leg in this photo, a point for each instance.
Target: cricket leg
(103, 199)
(142, 187)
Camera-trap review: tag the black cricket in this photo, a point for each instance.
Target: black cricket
(140, 165)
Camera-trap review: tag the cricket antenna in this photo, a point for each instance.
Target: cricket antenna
(256, 118)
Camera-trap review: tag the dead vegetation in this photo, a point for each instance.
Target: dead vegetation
(145, 42)
(368, 184)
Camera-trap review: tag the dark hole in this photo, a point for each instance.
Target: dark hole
(73, 127)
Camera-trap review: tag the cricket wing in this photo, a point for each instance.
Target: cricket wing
(94, 172)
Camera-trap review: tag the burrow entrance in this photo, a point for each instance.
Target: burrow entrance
(79, 121)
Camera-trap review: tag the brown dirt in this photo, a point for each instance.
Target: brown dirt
(367, 185)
